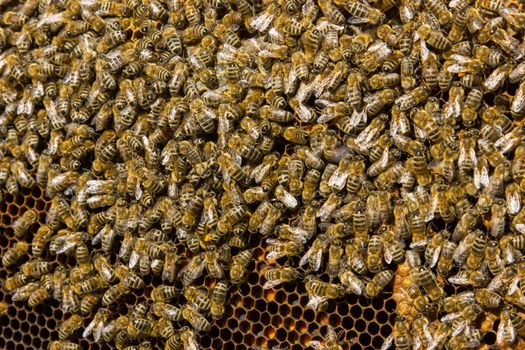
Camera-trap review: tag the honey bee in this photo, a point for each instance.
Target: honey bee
(21, 225)
(363, 13)
(104, 268)
(427, 280)
(239, 266)
(320, 292)
(14, 254)
(63, 345)
(166, 311)
(193, 269)
(279, 248)
(69, 327)
(36, 268)
(352, 282)
(114, 293)
(218, 299)
(197, 321)
(378, 283)
(277, 276)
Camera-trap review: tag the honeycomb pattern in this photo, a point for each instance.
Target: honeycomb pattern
(254, 318)
(278, 317)
(24, 327)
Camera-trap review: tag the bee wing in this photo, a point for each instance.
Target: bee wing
(514, 285)
(387, 344)
(481, 177)
(191, 344)
(460, 280)
(262, 21)
(357, 20)
(427, 335)
(494, 80)
(338, 179)
(416, 343)
(459, 328)
(519, 99)
(420, 132)
(288, 199)
(89, 329)
(304, 113)
(318, 258)
(168, 273)
(98, 331)
(138, 191)
(435, 257)
(513, 202)
(424, 51)
(273, 283)
(133, 259)
(274, 255)
(388, 254)
(306, 256)
(315, 301)
(520, 228)
(418, 244)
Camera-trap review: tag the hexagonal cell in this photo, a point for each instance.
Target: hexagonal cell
(368, 314)
(356, 311)
(309, 315)
(360, 325)
(269, 332)
(244, 326)
(372, 328)
(248, 303)
(276, 321)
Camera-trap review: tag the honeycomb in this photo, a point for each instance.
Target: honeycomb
(254, 317)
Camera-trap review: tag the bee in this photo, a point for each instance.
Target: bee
(402, 337)
(14, 19)
(114, 293)
(352, 282)
(364, 13)
(166, 311)
(517, 107)
(88, 303)
(21, 225)
(445, 262)
(276, 276)
(427, 280)
(193, 269)
(197, 321)
(63, 345)
(393, 249)
(36, 268)
(218, 299)
(314, 255)
(230, 218)
(275, 211)
(39, 296)
(110, 39)
(378, 283)
(239, 266)
(15, 253)
(104, 268)
(279, 248)
(374, 254)
(477, 251)
(488, 299)
(320, 292)
(69, 327)
(198, 297)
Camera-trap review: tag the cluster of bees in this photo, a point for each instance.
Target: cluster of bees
(362, 137)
